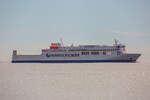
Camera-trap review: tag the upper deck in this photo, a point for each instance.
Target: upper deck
(57, 47)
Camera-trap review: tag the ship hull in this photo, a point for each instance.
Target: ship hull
(70, 61)
(41, 59)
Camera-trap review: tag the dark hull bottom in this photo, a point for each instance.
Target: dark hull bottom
(71, 61)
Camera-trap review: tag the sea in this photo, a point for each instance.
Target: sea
(74, 81)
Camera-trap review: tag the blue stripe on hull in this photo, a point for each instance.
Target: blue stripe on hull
(70, 61)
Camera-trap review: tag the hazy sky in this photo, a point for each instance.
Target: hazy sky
(29, 25)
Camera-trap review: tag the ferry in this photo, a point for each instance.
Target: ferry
(57, 53)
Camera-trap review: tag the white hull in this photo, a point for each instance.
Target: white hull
(40, 58)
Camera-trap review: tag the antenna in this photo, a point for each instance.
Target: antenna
(116, 41)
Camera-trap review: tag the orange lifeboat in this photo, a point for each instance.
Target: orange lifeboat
(54, 46)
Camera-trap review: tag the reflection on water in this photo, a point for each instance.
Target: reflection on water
(86, 81)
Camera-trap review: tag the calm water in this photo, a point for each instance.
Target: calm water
(78, 81)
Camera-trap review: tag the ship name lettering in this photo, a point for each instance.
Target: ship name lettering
(62, 55)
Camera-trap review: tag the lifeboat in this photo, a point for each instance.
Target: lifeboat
(55, 45)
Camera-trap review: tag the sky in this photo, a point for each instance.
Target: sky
(30, 25)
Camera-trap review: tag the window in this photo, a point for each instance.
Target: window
(118, 53)
(104, 52)
(95, 53)
(85, 53)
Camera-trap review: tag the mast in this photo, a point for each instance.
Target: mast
(61, 40)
